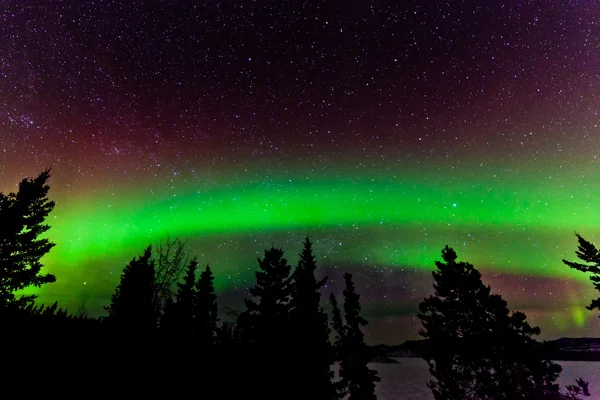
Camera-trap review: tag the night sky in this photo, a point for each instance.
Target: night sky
(383, 129)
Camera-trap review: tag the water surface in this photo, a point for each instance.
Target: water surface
(408, 379)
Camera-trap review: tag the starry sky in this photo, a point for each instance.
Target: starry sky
(383, 129)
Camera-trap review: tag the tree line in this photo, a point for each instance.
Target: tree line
(283, 329)
(163, 323)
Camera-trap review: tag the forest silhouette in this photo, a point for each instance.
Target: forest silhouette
(163, 336)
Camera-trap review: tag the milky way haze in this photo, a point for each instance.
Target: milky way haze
(384, 130)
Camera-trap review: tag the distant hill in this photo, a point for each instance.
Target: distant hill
(577, 344)
(410, 348)
(574, 349)
(563, 349)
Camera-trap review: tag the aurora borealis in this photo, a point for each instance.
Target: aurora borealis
(384, 130)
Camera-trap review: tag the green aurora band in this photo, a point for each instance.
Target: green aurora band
(119, 222)
(515, 226)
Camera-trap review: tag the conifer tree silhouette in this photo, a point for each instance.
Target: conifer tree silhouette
(355, 354)
(310, 331)
(590, 255)
(51, 311)
(178, 314)
(186, 298)
(132, 307)
(337, 323)
(271, 305)
(22, 217)
(479, 350)
(205, 310)
(266, 322)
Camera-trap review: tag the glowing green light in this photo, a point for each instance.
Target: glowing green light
(516, 225)
(580, 315)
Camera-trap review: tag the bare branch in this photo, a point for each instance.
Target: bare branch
(171, 260)
(81, 311)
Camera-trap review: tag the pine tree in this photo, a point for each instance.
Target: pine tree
(336, 322)
(266, 324)
(178, 314)
(22, 217)
(205, 310)
(354, 371)
(479, 350)
(185, 303)
(588, 253)
(272, 293)
(310, 331)
(132, 307)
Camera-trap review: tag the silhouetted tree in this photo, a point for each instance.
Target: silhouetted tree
(44, 311)
(479, 350)
(178, 314)
(271, 305)
(355, 355)
(186, 298)
(205, 310)
(310, 331)
(171, 260)
(266, 324)
(132, 307)
(336, 322)
(22, 217)
(581, 388)
(341, 387)
(81, 311)
(588, 253)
